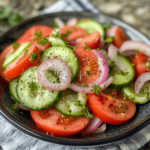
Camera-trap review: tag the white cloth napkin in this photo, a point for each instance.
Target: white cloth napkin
(13, 139)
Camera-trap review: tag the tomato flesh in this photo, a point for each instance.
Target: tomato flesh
(88, 63)
(120, 37)
(92, 41)
(53, 122)
(75, 32)
(111, 110)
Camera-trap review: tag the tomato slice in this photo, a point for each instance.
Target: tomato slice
(111, 109)
(53, 122)
(120, 37)
(88, 66)
(41, 30)
(22, 63)
(92, 41)
(72, 33)
(141, 63)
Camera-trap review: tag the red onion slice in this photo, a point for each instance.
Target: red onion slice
(111, 31)
(102, 43)
(135, 45)
(72, 43)
(58, 66)
(93, 124)
(22, 107)
(72, 22)
(140, 81)
(59, 22)
(101, 128)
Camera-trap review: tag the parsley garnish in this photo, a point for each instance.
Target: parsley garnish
(38, 34)
(26, 51)
(5, 12)
(64, 128)
(71, 47)
(70, 111)
(133, 65)
(136, 50)
(96, 89)
(15, 107)
(120, 105)
(41, 52)
(148, 65)
(113, 96)
(21, 113)
(110, 39)
(88, 72)
(16, 45)
(86, 85)
(14, 19)
(106, 27)
(66, 34)
(54, 25)
(43, 40)
(33, 56)
(107, 91)
(32, 86)
(112, 65)
(124, 73)
(147, 93)
(87, 46)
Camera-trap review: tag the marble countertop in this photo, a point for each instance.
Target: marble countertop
(133, 12)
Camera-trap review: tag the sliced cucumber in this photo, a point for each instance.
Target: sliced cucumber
(65, 54)
(91, 26)
(142, 97)
(13, 56)
(12, 89)
(67, 105)
(122, 77)
(32, 95)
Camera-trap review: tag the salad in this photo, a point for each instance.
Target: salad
(77, 77)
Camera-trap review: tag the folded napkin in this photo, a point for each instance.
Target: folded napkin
(13, 139)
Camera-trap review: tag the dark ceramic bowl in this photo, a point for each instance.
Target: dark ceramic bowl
(24, 121)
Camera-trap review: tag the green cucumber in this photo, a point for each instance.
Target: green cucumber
(66, 54)
(122, 78)
(12, 89)
(91, 26)
(13, 56)
(142, 97)
(32, 95)
(67, 105)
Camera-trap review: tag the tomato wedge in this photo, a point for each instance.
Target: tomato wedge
(22, 63)
(88, 66)
(111, 109)
(120, 37)
(39, 30)
(72, 33)
(53, 122)
(92, 41)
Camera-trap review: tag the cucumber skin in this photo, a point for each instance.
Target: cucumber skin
(44, 108)
(121, 86)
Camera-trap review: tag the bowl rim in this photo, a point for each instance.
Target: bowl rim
(73, 142)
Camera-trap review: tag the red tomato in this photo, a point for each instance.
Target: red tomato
(120, 37)
(30, 33)
(72, 33)
(88, 66)
(92, 41)
(22, 63)
(53, 122)
(140, 61)
(112, 110)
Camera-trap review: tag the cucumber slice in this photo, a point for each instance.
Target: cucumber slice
(13, 56)
(55, 40)
(12, 89)
(122, 78)
(67, 103)
(91, 26)
(142, 97)
(66, 54)
(32, 95)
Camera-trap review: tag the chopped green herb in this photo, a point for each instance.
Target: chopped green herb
(120, 105)
(15, 107)
(112, 65)
(106, 27)
(133, 65)
(54, 25)
(14, 19)
(113, 96)
(137, 50)
(32, 86)
(88, 72)
(38, 34)
(69, 86)
(124, 73)
(16, 45)
(64, 128)
(70, 111)
(66, 34)
(26, 51)
(96, 89)
(41, 52)
(87, 46)
(21, 113)
(146, 92)
(86, 85)
(71, 47)
(5, 12)
(33, 56)
(107, 91)
(43, 40)
(110, 39)
(148, 65)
